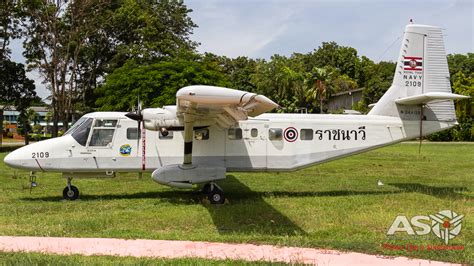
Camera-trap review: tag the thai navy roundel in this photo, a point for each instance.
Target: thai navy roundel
(290, 134)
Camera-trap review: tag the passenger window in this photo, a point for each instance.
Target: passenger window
(81, 132)
(275, 134)
(201, 134)
(306, 134)
(254, 132)
(169, 136)
(132, 133)
(101, 137)
(234, 133)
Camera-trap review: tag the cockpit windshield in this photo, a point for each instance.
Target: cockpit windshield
(81, 132)
(76, 125)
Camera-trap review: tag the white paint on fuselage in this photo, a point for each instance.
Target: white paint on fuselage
(251, 153)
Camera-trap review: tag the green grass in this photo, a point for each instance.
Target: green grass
(336, 205)
(42, 259)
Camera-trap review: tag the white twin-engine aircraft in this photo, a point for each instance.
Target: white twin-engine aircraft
(221, 129)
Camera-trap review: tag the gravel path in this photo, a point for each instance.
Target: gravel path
(208, 250)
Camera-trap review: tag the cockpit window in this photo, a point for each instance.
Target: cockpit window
(103, 132)
(81, 131)
(101, 137)
(105, 123)
(76, 125)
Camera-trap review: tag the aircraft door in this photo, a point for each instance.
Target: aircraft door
(101, 142)
(126, 146)
(256, 143)
(80, 156)
(246, 147)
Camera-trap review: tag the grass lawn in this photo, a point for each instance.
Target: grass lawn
(336, 205)
(42, 259)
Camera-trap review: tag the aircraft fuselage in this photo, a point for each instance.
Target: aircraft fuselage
(269, 142)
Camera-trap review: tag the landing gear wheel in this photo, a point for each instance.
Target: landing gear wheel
(216, 196)
(71, 194)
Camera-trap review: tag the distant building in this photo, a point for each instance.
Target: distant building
(344, 100)
(11, 115)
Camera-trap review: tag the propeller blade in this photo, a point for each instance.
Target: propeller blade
(134, 116)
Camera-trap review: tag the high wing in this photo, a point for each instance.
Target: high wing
(216, 105)
(221, 106)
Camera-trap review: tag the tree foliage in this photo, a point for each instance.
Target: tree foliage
(74, 44)
(154, 84)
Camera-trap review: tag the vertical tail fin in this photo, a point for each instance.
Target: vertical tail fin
(421, 73)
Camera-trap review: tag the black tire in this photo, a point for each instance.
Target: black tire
(72, 194)
(216, 196)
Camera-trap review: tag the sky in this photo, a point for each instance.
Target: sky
(262, 28)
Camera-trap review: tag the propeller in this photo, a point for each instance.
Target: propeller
(136, 114)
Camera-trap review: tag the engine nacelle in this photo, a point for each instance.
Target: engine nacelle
(180, 176)
(158, 118)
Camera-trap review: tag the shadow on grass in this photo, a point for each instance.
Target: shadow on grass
(246, 211)
(234, 190)
(440, 192)
(249, 215)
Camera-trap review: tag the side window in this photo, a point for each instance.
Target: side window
(105, 123)
(132, 133)
(234, 133)
(101, 137)
(306, 134)
(275, 134)
(254, 132)
(168, 136)
(201, 134)
(103, 132)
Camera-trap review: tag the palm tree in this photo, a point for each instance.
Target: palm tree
(318, 81)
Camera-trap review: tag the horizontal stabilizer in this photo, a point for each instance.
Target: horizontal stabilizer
(430, 97)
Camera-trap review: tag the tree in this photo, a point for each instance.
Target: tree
(343, 58)
(27, 117)
(75, 44)
(154, 84)
(55, 32)
(464, 85)
(146, 31)
(318, 80)
(460, 63)
(15, 88)
(378, 80)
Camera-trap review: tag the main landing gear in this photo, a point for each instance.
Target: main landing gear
(214, 193)
(70, 192)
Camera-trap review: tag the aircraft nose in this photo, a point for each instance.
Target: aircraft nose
(19, 159)
(11, 160)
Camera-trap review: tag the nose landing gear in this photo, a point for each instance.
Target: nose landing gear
(33, 183)
(70, 192)
(215, 194)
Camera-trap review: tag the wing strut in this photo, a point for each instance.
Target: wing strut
(189, 119)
